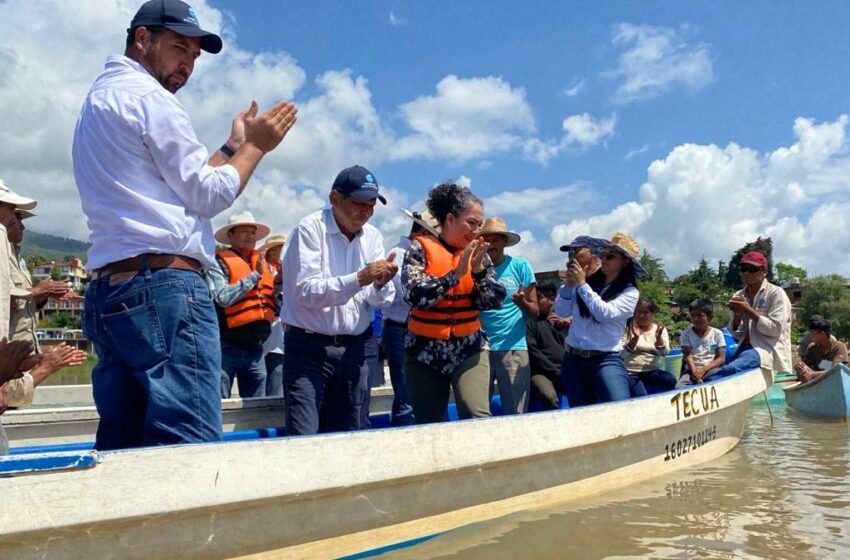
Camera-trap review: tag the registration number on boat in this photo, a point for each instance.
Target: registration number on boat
(676, 449)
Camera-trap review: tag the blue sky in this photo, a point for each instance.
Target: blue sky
(695, 126)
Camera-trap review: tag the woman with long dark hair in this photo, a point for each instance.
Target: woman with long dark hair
(447, 281)
(593, 369)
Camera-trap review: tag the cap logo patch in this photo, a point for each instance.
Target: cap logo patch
(369, 178)
(192, 17)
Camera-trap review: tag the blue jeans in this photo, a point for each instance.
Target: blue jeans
(651, 382)
(323, 383)
(393, 342)
(247, 366)
(156, 381)
(744, 359)
(598, 379)
(274, 374)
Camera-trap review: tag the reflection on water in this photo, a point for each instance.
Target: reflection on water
(783, 493)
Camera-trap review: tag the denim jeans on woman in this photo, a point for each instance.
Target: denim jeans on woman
(597, 379)
(156, 381)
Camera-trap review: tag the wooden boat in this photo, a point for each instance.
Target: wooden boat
(329, 495)
(775, 394)
(825, 396)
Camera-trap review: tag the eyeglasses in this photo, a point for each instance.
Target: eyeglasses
(609, 256)
(750, 268)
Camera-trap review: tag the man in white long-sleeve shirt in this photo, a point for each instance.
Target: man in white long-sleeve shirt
(149, 189)
(334, 275)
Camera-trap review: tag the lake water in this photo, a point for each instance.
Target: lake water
(784, 492)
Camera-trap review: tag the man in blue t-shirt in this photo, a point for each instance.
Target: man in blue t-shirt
(505, 327)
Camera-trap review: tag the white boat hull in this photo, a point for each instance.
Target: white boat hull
(329, 495)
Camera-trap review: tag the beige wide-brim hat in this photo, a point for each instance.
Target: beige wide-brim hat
(627, 246)
(273, 241)
(497, 225)
(425, 219)
(24, 214)
(9, 196)
(241, 219)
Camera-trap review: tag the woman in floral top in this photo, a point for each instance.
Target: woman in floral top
(447, 281)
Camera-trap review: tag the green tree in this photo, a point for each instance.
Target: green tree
(828, 296)
(733, 273)
(56, 273)
(654, 267)
(785, 272)
(34, 260)
(60, 320)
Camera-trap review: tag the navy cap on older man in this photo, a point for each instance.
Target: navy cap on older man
(358, 183)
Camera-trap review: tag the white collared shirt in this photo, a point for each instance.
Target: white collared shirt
(603, 330)
(320, 288)
(400, 309)
(143, 176)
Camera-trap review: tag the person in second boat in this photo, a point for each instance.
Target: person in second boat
(242, 286)
(448, 281)
(822, 353)
(505, 327)
(593, 369)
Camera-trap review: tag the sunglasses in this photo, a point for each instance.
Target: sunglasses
(750, 268)
(608, 256)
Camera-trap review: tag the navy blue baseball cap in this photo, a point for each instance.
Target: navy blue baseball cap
(177, 16)
(581, 241)
(358, 183)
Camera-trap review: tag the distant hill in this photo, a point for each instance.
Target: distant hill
(52, 247)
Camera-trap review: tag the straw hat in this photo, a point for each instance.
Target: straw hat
(425, 219)
(626, 245)
(273, 241)
(497, 225)
(241, 219)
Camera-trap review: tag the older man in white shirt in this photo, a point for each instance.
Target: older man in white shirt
(334, 276)
(149, 189)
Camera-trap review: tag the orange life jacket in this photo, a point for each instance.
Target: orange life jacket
(257, 304)
(455, 314)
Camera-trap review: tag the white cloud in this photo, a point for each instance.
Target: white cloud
(583, 130)
(575, 88)
(657, 59)
(466, 118)
(533, 206)
(707, 200)
(634, 152)
(396, 20)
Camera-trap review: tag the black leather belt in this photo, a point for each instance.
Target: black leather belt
(336, 340)
(585, 353)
